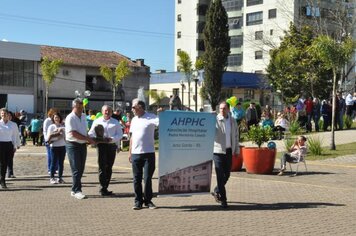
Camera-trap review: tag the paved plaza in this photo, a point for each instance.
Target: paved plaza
(319, 202)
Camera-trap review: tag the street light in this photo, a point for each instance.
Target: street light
(85, 94)
(196, 79)
(182, 84)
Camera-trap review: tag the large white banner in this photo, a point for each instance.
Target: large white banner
(186, 142)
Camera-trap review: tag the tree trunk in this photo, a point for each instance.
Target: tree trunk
(113, 97)
(332, 143)
(46, 100)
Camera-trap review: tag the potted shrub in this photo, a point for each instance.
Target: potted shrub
(259, 160)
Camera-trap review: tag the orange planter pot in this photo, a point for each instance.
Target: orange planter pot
(237, 161)
(259, 160)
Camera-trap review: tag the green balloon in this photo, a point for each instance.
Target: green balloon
(85, 101)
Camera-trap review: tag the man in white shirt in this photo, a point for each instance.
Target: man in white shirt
(226, 144)
(106, 147)
(142, 153)
(76, 147)
(8, 143)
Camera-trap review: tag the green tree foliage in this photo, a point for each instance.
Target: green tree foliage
(49, 71)
(157, 97)
(217, 49)
(334, 56)
(115, 78)
(185, 65)
(293, 70)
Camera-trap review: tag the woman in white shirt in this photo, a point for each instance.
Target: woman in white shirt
(56, 138)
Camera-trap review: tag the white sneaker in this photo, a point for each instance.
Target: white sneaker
(72, 193)
(79, 195)
(53, 181)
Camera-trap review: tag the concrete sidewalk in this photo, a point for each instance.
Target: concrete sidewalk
(321, 201)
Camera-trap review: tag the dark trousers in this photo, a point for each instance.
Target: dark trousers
(35, 136)
(58, 155)
(77, 155)
(143, 164)
(10, 164)
(6, 150)
(223, 164)
(106, 159)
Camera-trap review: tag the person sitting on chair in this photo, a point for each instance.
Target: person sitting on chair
(281, 124)
(297, 150)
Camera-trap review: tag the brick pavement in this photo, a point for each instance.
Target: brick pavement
(322, 201)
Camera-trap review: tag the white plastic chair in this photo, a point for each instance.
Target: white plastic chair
(297, 161)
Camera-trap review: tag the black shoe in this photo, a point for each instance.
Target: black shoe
(137, 206)
(3, 185)
(224, 204)
(216, 196)
(150, 205)
(105, 192)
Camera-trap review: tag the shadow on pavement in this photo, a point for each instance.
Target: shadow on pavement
(242, 206)
(114, 195)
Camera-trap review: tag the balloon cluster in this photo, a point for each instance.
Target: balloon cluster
(232, 101)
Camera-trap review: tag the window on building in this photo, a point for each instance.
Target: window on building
(235, 22)
(254, 18)
(311, 11)
(271, 32)
(259, 35)
(179, 17)
(258, 71)
(179, 1)
(249, 94)
(234, 60)
(253, 2)
(17, 73)
(202, 9)
(179, 34)
(200, 45)
(232, 5)
(258, 55)
(236, 41)
(200, 27)
(178, 50)
(272, 13)
(175, 91)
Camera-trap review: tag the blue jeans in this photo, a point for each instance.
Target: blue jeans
(143, 164)
(58, 155)
(77, 155)
(223, 164)
(50, 157)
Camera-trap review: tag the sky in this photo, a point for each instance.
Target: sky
(136, 29)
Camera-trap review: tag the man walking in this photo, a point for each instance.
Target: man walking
(142, 153)
(106, 147)
(76, 137)
(226, 144)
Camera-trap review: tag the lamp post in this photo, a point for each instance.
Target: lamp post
(196, 79)
(182, 84)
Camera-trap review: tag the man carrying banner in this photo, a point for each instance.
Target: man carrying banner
(142, 153)
(225, 144)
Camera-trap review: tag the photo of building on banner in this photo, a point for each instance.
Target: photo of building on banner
(185, 152)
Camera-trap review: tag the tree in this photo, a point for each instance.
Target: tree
(217, 49)
(294, 71)
(185, 65)
(49, 71)
(122, 70)
(157, 97)
(334, 55)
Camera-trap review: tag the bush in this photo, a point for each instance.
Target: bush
(314, 146)
(259, 135)
(288, 142)
(347, 121)
(294, 127)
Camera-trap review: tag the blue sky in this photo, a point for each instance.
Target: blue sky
(136, 29)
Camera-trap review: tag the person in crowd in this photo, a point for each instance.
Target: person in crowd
(106, 147)
(267, 121)
(325, 112)
(127, 125)
(309, 112)
(226, 143)
(35, 127)
(349, 101)
(90, 118)
(341, 113)
(46, 123)
(23, 123)
(142, 153)
(316, 113)
(8, 143)
(76, 140)
(297, 150)
(10, 161)
(251, 115)
(56, 139)
(281, 124)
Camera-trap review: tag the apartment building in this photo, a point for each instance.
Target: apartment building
(256, 26)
